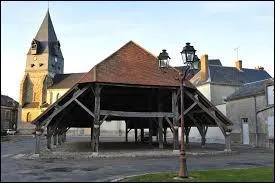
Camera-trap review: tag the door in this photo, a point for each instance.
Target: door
(270, 126)
(245, 131)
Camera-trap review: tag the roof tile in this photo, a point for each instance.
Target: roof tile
(132, 64)
(66, 80)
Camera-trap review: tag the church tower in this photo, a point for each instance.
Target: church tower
(44, 60)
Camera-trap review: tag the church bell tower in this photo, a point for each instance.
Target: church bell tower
(44, 60)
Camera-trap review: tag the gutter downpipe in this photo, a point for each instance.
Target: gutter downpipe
(256, 120)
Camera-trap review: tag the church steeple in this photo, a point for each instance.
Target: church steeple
(44, 61)
(45, 53)
(46, 31)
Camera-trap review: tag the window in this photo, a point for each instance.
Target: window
(7, 115)
(34, 46)
(244, 120)
(270, 95)
(40, 65)
(28, 118)
(32, 65)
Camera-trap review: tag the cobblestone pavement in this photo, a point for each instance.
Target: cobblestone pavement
(16, 167)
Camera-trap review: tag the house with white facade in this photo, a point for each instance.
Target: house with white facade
(217, 82)
(251, 109)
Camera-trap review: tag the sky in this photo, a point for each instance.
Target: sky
(90, 31)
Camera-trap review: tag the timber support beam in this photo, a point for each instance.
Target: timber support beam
(96, 125)
(49, 137)
(187, 131)
(160, 122)
(208, 111)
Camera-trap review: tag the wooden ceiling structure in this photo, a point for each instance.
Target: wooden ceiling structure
(129, 85)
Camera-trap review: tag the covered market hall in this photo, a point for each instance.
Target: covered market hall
(129, 85)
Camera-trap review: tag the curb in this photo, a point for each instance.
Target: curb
(125, 177)
(73, 155)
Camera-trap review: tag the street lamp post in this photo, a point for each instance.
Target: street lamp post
(189, 58)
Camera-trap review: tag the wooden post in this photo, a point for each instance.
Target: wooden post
(150, 99)
(59, 139)
(187, 131)
(37, 144)
(175, 120)
(96, 138)
(92, 127)
(64, 136)
(135, 134)
(150, 131)
(96, 130)
(157, 131)
(126, 131)
(228, 142)
(55, 139)
(160, 121)
(203, 139)
(164, 133)
(49, 137)
(160, 133)
(142, 134)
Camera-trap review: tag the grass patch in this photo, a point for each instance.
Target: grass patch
(259, 174)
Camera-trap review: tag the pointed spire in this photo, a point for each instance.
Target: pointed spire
(46, 37)
(46, 31)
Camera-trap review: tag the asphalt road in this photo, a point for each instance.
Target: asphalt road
(108, 169)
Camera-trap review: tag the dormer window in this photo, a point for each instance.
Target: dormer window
(34, 47)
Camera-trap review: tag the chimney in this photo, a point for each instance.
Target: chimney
(204, 67)
(239, 64)
(259, 68)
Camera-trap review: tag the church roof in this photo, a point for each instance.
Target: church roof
(46, 36)
(133, 65)
(66, 80)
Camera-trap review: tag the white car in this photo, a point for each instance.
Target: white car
(11, 131)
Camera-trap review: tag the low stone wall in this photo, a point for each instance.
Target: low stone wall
(25, 129)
